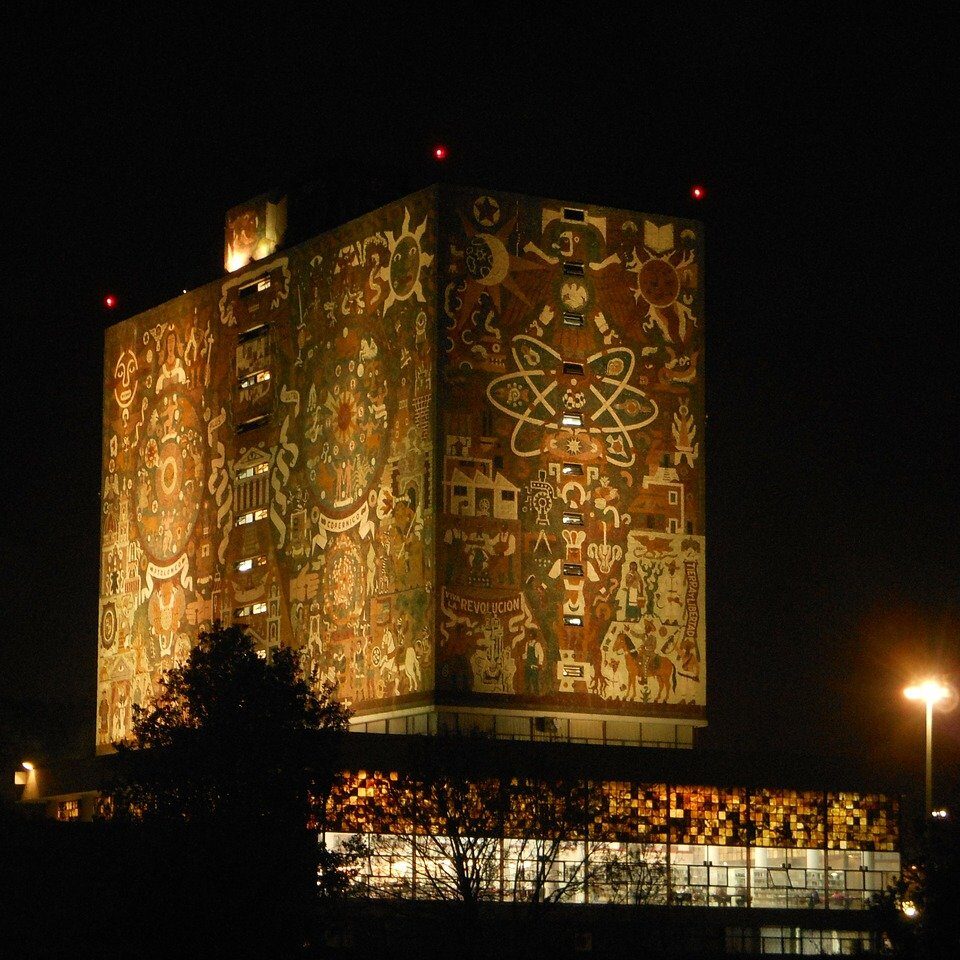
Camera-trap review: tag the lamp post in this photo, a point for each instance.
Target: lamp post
(930, 692)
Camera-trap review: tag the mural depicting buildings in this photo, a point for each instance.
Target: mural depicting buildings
(451, 451)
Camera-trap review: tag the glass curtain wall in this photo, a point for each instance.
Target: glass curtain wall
(592, 872)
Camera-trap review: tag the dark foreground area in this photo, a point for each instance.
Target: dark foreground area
(110, 890)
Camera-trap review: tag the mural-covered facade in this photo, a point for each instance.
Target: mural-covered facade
(450, 450)
(571, 547)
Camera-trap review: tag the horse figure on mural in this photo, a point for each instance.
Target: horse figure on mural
(643, 664)
(687, 651)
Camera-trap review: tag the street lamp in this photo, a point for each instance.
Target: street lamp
(930, 692)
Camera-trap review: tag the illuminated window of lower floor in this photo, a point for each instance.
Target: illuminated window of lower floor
(608, 872)
(793, 941)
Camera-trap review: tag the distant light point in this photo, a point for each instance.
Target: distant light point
(697, 192)
(440, 152)
(109, 301)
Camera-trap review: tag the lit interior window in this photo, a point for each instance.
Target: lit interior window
(573, 319)
(261, 376)
(251, 515)
(248, 563)
(572, 469)
(572, 621)
(247, 472)
(573, 569)
(573, 519)
(250, 608)
(572, 420)
(254, 286)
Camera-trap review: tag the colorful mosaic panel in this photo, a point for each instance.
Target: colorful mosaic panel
(786, 818)
(857, 821)
(627, 811)
(630, 811)
(571, 550)
(268, 459)
(708, 815)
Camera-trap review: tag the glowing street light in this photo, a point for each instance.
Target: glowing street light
(930, 692)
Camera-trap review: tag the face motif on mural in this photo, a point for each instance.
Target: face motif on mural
(124, 375)
(405, 267)
(659, 284)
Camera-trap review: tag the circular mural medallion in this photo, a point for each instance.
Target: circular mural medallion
(346, 430)
(170, 471)
(108, 627)
(659, 283)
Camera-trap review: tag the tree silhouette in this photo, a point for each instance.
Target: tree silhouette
(229, 737)
(223, 772)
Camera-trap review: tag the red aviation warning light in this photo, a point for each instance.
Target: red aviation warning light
(697, 192)
(439, 152)
(109, 301)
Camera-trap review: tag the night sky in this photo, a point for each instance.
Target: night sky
(832, 338)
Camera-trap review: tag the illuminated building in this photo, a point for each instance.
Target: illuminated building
(451, 451)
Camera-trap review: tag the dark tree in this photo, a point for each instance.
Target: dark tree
(224, 772)
(919, 913)
(230, 737)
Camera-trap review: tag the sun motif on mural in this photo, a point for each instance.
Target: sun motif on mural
(578, 405)
(170, 477)
(666, 277)
(406, 260)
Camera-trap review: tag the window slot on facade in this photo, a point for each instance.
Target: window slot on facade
(570, 670)
(254, 286)
(573, 519)
(247, 472)
(251, 516)
(573, 268)
(250, 608)
(572, 419)
(260, 330)
(572, 470)
(573, 319)
(572, 621)
(252, 423)
(248, 563)
(573, 569)
(261, 376)
(573, 369)
(574, 214)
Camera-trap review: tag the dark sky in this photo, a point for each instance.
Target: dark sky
(832, 367)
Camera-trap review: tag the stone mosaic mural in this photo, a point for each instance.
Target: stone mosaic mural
(268, 459)
(571, 544)
(451, 451)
